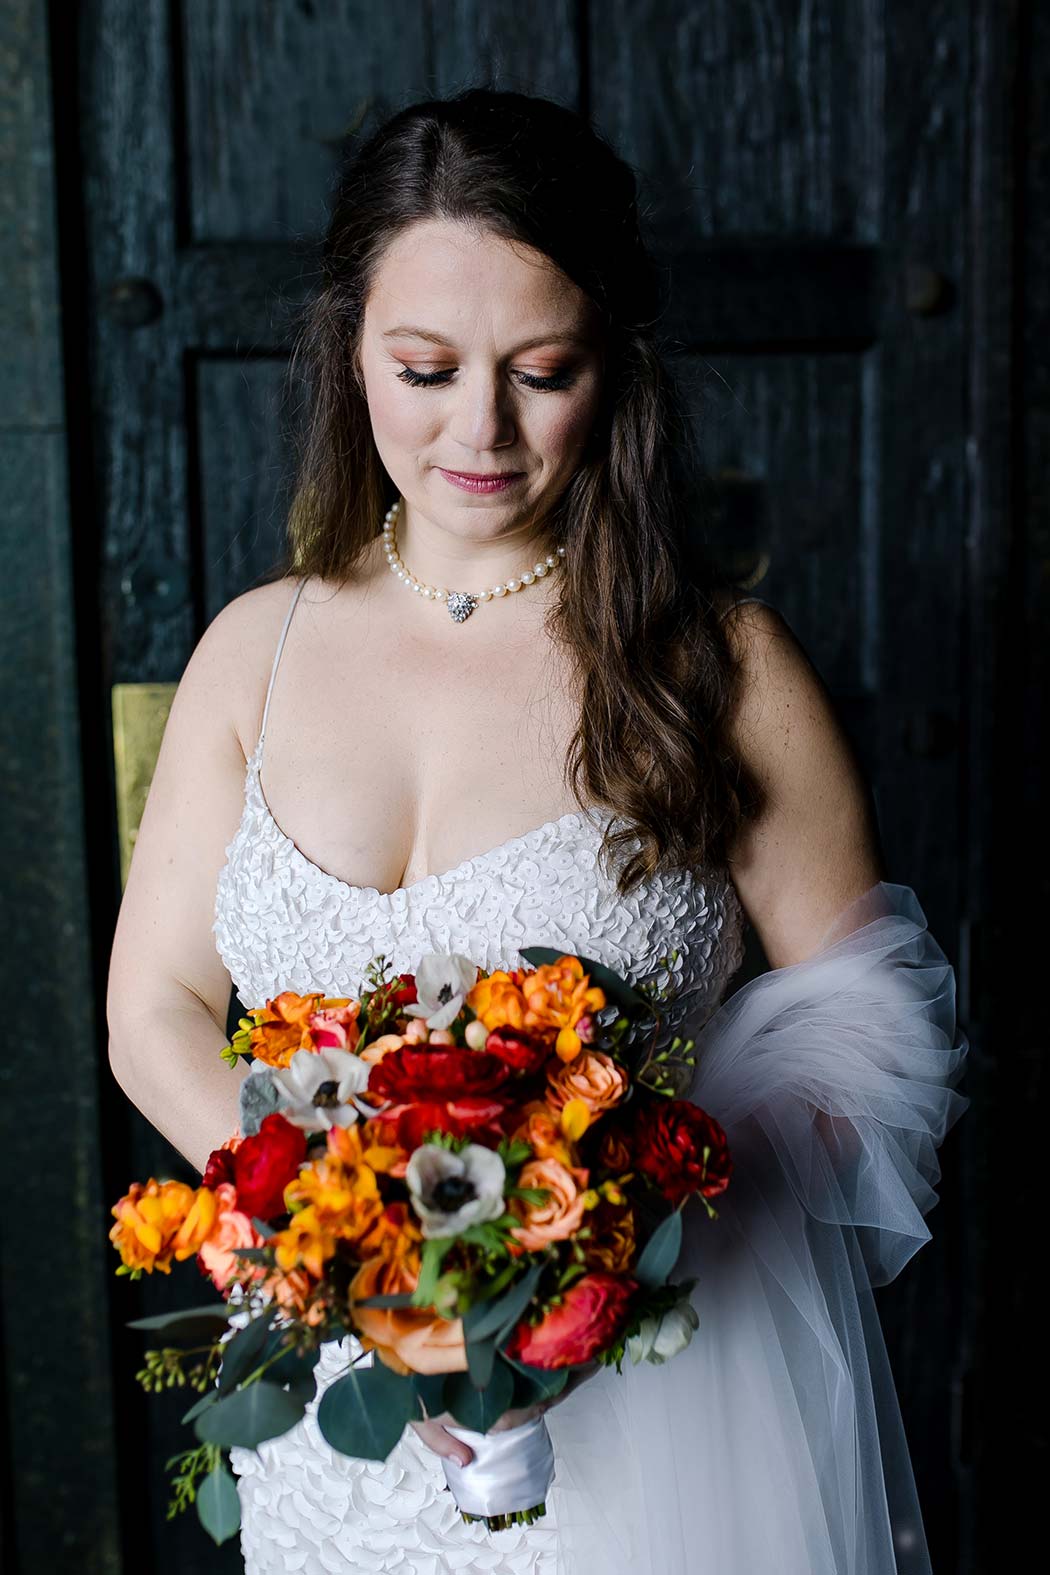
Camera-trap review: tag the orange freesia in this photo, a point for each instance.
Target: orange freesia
(406, 1339)
(307, 1241)
(395, 1233)
(541, 1129)
(282, 1026)
(293, 1293)
(383, 1152)
(378, 1048)
(560, 1214)
(557, 995)
(343, 1194)
(611, 1245)
(160, 1221)
(498, 1000)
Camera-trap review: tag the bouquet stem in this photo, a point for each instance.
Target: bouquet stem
(507, 1481)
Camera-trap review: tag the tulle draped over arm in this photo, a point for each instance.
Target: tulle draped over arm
(774, 1442)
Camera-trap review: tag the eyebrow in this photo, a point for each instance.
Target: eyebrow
(411, 331)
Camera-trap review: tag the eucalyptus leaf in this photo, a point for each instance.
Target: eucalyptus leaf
(615, 987)
(481, 1354)
(243, 1352)
(364, 1413)
(498, 1317)
(249, 1416)
(429, 1387)
(218, 1505)
(388, 1299)
(188, 1323)
(479, 1408)
(661, 1251)
(546, 1382)
(200, 1405)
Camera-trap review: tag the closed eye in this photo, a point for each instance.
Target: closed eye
(416, 379)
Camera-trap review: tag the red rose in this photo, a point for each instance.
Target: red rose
(670, 1139)
(435, 1072)
(264, 1165)
(516, 1049)
(218, 1169)
(591, 1315)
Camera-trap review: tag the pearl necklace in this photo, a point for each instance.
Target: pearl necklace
(460, 603)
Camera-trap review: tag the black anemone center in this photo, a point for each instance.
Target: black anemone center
(452, 1192)
(445, 994)
(327, 1093)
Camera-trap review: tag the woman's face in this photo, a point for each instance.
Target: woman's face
(480, 358)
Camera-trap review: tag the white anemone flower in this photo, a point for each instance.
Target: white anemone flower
(318, 1088)
(660, 1338)
(442, 982)
(451, 1191)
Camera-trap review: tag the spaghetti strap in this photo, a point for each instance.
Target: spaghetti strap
(273, 670)
(739, 601)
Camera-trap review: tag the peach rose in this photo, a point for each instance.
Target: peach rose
(560, 1214)
(593, 1077)
(378, 1048)
(407, 1339)
(232, 1229)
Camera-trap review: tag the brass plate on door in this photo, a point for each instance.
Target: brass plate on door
(140, 714)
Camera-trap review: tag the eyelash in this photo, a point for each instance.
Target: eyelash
(558, 381)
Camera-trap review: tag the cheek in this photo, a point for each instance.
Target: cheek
(399, 417)
(564, 430)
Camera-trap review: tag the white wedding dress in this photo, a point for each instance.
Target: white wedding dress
(774, 1441)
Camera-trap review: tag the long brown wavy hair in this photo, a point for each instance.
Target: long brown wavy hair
(638, 610)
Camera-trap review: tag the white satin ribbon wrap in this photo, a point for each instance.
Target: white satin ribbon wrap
(512, 1469)
(774, 1441)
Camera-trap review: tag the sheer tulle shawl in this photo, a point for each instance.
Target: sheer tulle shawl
(774, 1441)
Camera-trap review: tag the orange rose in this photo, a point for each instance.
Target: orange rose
(560, 1214)
(407, 1339)
(593, 1077)
(232, 1229)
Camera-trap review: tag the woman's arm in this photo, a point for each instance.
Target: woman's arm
(168, 990)
(815, 846)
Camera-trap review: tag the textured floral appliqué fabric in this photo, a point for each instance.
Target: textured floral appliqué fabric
(282, 923)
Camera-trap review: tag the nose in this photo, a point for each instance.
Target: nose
(482, 417)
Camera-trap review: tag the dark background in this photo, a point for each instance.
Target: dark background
(851, 199)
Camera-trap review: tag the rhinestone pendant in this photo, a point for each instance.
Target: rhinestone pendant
(460, 605)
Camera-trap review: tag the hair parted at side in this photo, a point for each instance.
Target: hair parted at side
(655, 671)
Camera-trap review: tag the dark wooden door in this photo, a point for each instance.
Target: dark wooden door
(826, 184)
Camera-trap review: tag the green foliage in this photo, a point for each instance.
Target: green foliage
(364, 1413)
(218, 1506)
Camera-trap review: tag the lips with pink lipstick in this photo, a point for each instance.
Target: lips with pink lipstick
(489, 481)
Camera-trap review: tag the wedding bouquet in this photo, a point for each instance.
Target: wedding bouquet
(478, 1175)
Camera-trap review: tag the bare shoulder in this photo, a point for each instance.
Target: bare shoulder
(231, 663)
(814, 845)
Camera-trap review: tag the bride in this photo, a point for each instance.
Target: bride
(512, 709)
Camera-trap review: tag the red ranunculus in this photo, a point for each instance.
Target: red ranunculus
(477, 1114)
(669, 1140)
(591, 1315)
(435, 1072)
(219, 1168)
(517, 1049)
(405, 995)
(264, 1165)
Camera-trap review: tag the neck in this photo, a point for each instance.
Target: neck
(467, 563)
